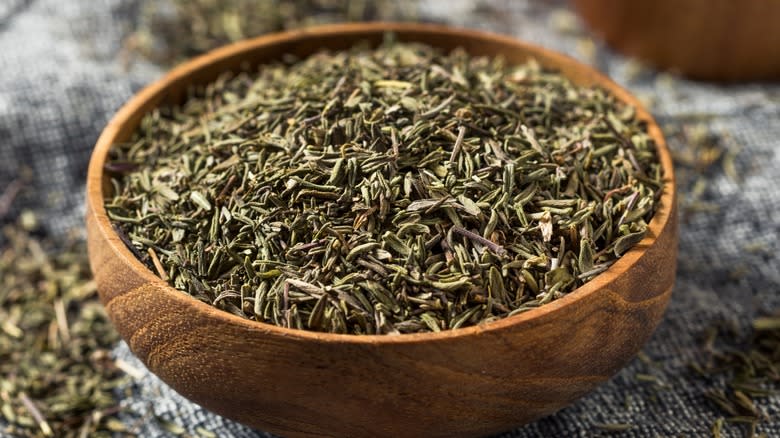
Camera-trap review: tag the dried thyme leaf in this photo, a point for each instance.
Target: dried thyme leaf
(614, 427)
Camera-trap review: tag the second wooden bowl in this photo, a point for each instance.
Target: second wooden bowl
(466, 382)
(726, 40)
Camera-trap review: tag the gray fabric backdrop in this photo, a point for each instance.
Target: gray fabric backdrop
(62, 79)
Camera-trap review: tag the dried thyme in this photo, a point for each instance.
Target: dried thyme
(170, 32)
(56, 374)
(389, 190)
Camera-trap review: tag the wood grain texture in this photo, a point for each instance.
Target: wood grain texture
(466, 382)
(706, 39)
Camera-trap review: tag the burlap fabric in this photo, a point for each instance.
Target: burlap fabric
(62, 79)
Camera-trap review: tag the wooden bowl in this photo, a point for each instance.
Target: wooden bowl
(465, 382)
(705, 39)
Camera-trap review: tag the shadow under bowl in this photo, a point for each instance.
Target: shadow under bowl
(465, 382)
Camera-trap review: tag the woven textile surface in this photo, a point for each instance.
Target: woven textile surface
(63, 77)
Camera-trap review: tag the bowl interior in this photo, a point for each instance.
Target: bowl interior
(248, 55)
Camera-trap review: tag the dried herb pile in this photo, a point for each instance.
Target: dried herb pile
(393, 190)
(170, 32)
(56, 374)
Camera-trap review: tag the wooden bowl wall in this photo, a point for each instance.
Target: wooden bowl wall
(466, 382)
(705, 39)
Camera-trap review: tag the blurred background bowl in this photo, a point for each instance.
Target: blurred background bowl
(726, 40)
(466, 382)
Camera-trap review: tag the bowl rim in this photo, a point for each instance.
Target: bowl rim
(96, 208)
